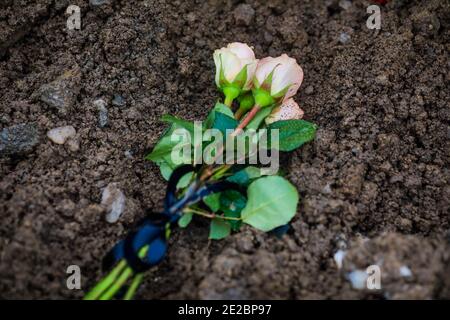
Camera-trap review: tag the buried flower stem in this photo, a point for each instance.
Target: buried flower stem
(134, 286)
(123, 279)
(113, 282)
(110, 293)
(116, 286)
(106, 282)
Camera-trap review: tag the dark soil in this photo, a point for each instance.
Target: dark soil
(375, 182)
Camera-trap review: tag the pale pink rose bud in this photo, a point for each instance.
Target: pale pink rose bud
(288, 110)
(280, 77)
(235, 68)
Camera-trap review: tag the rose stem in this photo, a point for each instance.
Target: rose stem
(249, 116)
(137, 278)
(134, 286)
(106, 282)
(109, 294)
(209, 215)
(239, 113)
(228, 101)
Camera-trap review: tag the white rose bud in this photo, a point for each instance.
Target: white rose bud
(276, 80)
(235, 69)
(289, 110)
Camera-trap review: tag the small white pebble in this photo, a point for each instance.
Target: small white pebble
(405, 271)
(345, 4)
(113, 200)
(339, 258)
(344, 37)
(129, 154)
(102, 112)
(327, 189)
(358, 279)
(61, 134)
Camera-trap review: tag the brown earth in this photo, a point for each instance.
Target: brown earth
(375, 182)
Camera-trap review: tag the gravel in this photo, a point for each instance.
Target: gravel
(62, 134)
(18, 139)
(113, 200)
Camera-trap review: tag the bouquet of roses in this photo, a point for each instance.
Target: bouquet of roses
(225, 169)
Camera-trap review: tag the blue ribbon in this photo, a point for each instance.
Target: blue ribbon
(152, 230)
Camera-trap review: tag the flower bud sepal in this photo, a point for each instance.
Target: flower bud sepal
(263, 98)
(231, 92)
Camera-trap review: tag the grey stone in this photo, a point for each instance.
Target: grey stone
(129, 154)
(102, 112)
(113, 200)
(95, 3)
(344, 38)
(244, 14)
(118, 100)
(61, 93)
(309, 90)
(62, 134)
(18, 139)
(345, 4)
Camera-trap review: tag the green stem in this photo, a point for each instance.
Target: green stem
(106, 282)
(230, 93)
(111, 292)
(228, 101)
(239, 113)
(219, 172)
(134, 286)
(108, 287)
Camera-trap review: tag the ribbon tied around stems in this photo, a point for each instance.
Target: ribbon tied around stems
(153, 231)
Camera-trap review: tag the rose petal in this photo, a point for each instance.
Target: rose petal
(288, 110)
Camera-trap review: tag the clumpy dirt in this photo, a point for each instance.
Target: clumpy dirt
(374, 183)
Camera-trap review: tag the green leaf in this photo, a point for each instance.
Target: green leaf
(231, 203)
(219, 107)
(179, 122)
(272, 202)
(241, 77)
(219, 229)
(223, 122)
(163, 148)
(244, 176)
(165, 145)
(162, 152)
(293, 133)
(260, 116)
(184, 181)
(185, 219)
(166, 170)
(222, 108)
(213, 201)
